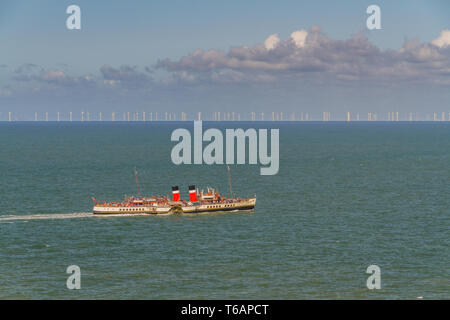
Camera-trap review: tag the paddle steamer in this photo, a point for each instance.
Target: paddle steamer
(199, 202)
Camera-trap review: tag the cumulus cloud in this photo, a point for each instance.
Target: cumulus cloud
(309, 55)
(31, 72)
(304, 57)
(443, 40)
(272, 41)
(33, 78)
(299, 38)
(24, 72)
(124, 75)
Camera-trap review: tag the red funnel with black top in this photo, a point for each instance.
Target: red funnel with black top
(192, 194)
(175, 193)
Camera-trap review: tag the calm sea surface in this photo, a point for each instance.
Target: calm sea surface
(347, 196)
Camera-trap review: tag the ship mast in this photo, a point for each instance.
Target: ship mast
(229, 181)
(137, 182)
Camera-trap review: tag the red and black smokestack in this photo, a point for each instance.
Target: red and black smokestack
(192, 194)
(175, 193)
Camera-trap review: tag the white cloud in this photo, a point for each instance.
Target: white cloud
(53, 75)
(312, 54)
(443, 40)
(299, 38)
(125, 75)
(272, 41)
(33, 73)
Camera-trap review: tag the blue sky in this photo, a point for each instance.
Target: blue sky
(128, 38)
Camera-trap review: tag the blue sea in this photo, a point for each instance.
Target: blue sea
(347, 196)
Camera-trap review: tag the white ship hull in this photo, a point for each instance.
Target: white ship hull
(177, 207)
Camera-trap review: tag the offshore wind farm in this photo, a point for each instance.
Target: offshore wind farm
(145, 116)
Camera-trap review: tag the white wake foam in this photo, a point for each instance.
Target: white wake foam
(46, 216)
